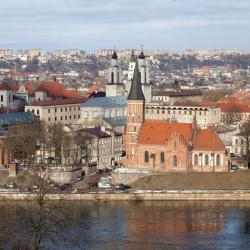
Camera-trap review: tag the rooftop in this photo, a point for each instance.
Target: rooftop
(16, 118)
(57, 102)
(107, 102)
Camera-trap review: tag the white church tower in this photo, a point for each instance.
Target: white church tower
(114, 86)
(144, 75)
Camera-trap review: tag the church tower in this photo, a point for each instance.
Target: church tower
(135, 118)
(114, 86)
(144, 74)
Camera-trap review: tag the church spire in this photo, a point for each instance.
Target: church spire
(136, 92)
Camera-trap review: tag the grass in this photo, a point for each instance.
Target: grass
(201, 181)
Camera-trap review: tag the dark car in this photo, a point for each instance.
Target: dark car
(122, 187)
(234, 167)
(66, 186)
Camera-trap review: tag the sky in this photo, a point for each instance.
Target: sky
(98, 24)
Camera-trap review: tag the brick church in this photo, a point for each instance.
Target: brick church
(164, 146)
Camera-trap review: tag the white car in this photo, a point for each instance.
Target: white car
(102, 184)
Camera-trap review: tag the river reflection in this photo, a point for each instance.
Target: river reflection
(157, 225)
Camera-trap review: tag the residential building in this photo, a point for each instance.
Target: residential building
(106, 147)
(66, 111)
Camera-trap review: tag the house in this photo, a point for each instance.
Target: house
(165, 146)
(106, 147)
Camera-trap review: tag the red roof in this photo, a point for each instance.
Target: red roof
(156, 132)
(56, 89)
(56, 102)
(207, 139)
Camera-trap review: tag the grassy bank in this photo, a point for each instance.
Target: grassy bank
(201, 181)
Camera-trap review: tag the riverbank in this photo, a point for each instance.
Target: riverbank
(238, 180)
(141, 195)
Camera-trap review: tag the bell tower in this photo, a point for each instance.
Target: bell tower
(135, 118)
(114, 86)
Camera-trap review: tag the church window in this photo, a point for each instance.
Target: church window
(146, 157)
(218, 160)
(175, 163)
(162, 157)
(206, 160)
(195, 159)
(112, 77)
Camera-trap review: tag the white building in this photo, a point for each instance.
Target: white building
(205, 115)
(104, 110)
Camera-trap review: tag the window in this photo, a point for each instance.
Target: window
(218, 160)
(146, 157)
(61, 118)
(1, 98)
(37, 112)
(55, 118)
(206, 160)
(70, 109)
(48, 110)
(65, 117)
(61, 110)
(195, 159)
(65, 109)
(55, 109)
(78, 108)
(49, 119)
(79, 116)
(175, 163)
(162, 157)
(134, 128)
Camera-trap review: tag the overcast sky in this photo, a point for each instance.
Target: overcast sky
(97, 24)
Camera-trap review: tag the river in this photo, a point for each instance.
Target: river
(158, 225)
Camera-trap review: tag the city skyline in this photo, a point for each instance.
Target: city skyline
(94, 25)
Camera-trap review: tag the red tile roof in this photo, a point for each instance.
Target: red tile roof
(56, 89)
(58, 102)
(156, 132)
(208, 140)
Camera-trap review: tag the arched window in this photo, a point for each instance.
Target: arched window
(112, 77)
(175, 161)
(146, 157)
(206, 160)
(218, 160)
(162, 157)
(195, 159)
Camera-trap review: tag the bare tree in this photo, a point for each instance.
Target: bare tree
(232, 115)
(245, 133)
(23, 141)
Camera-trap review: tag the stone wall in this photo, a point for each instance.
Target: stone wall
(236, 195)
(128, 175)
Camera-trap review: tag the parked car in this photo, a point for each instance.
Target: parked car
(234, 167)
(104, 184)
(66, 186)
(12, 185)
(79, 178)
(122, 187)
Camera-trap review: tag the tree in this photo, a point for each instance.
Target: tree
(22, 141)
(245, 133)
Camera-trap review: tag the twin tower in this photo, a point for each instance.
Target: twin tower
(115, 87)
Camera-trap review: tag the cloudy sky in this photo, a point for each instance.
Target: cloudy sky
(97, 24)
